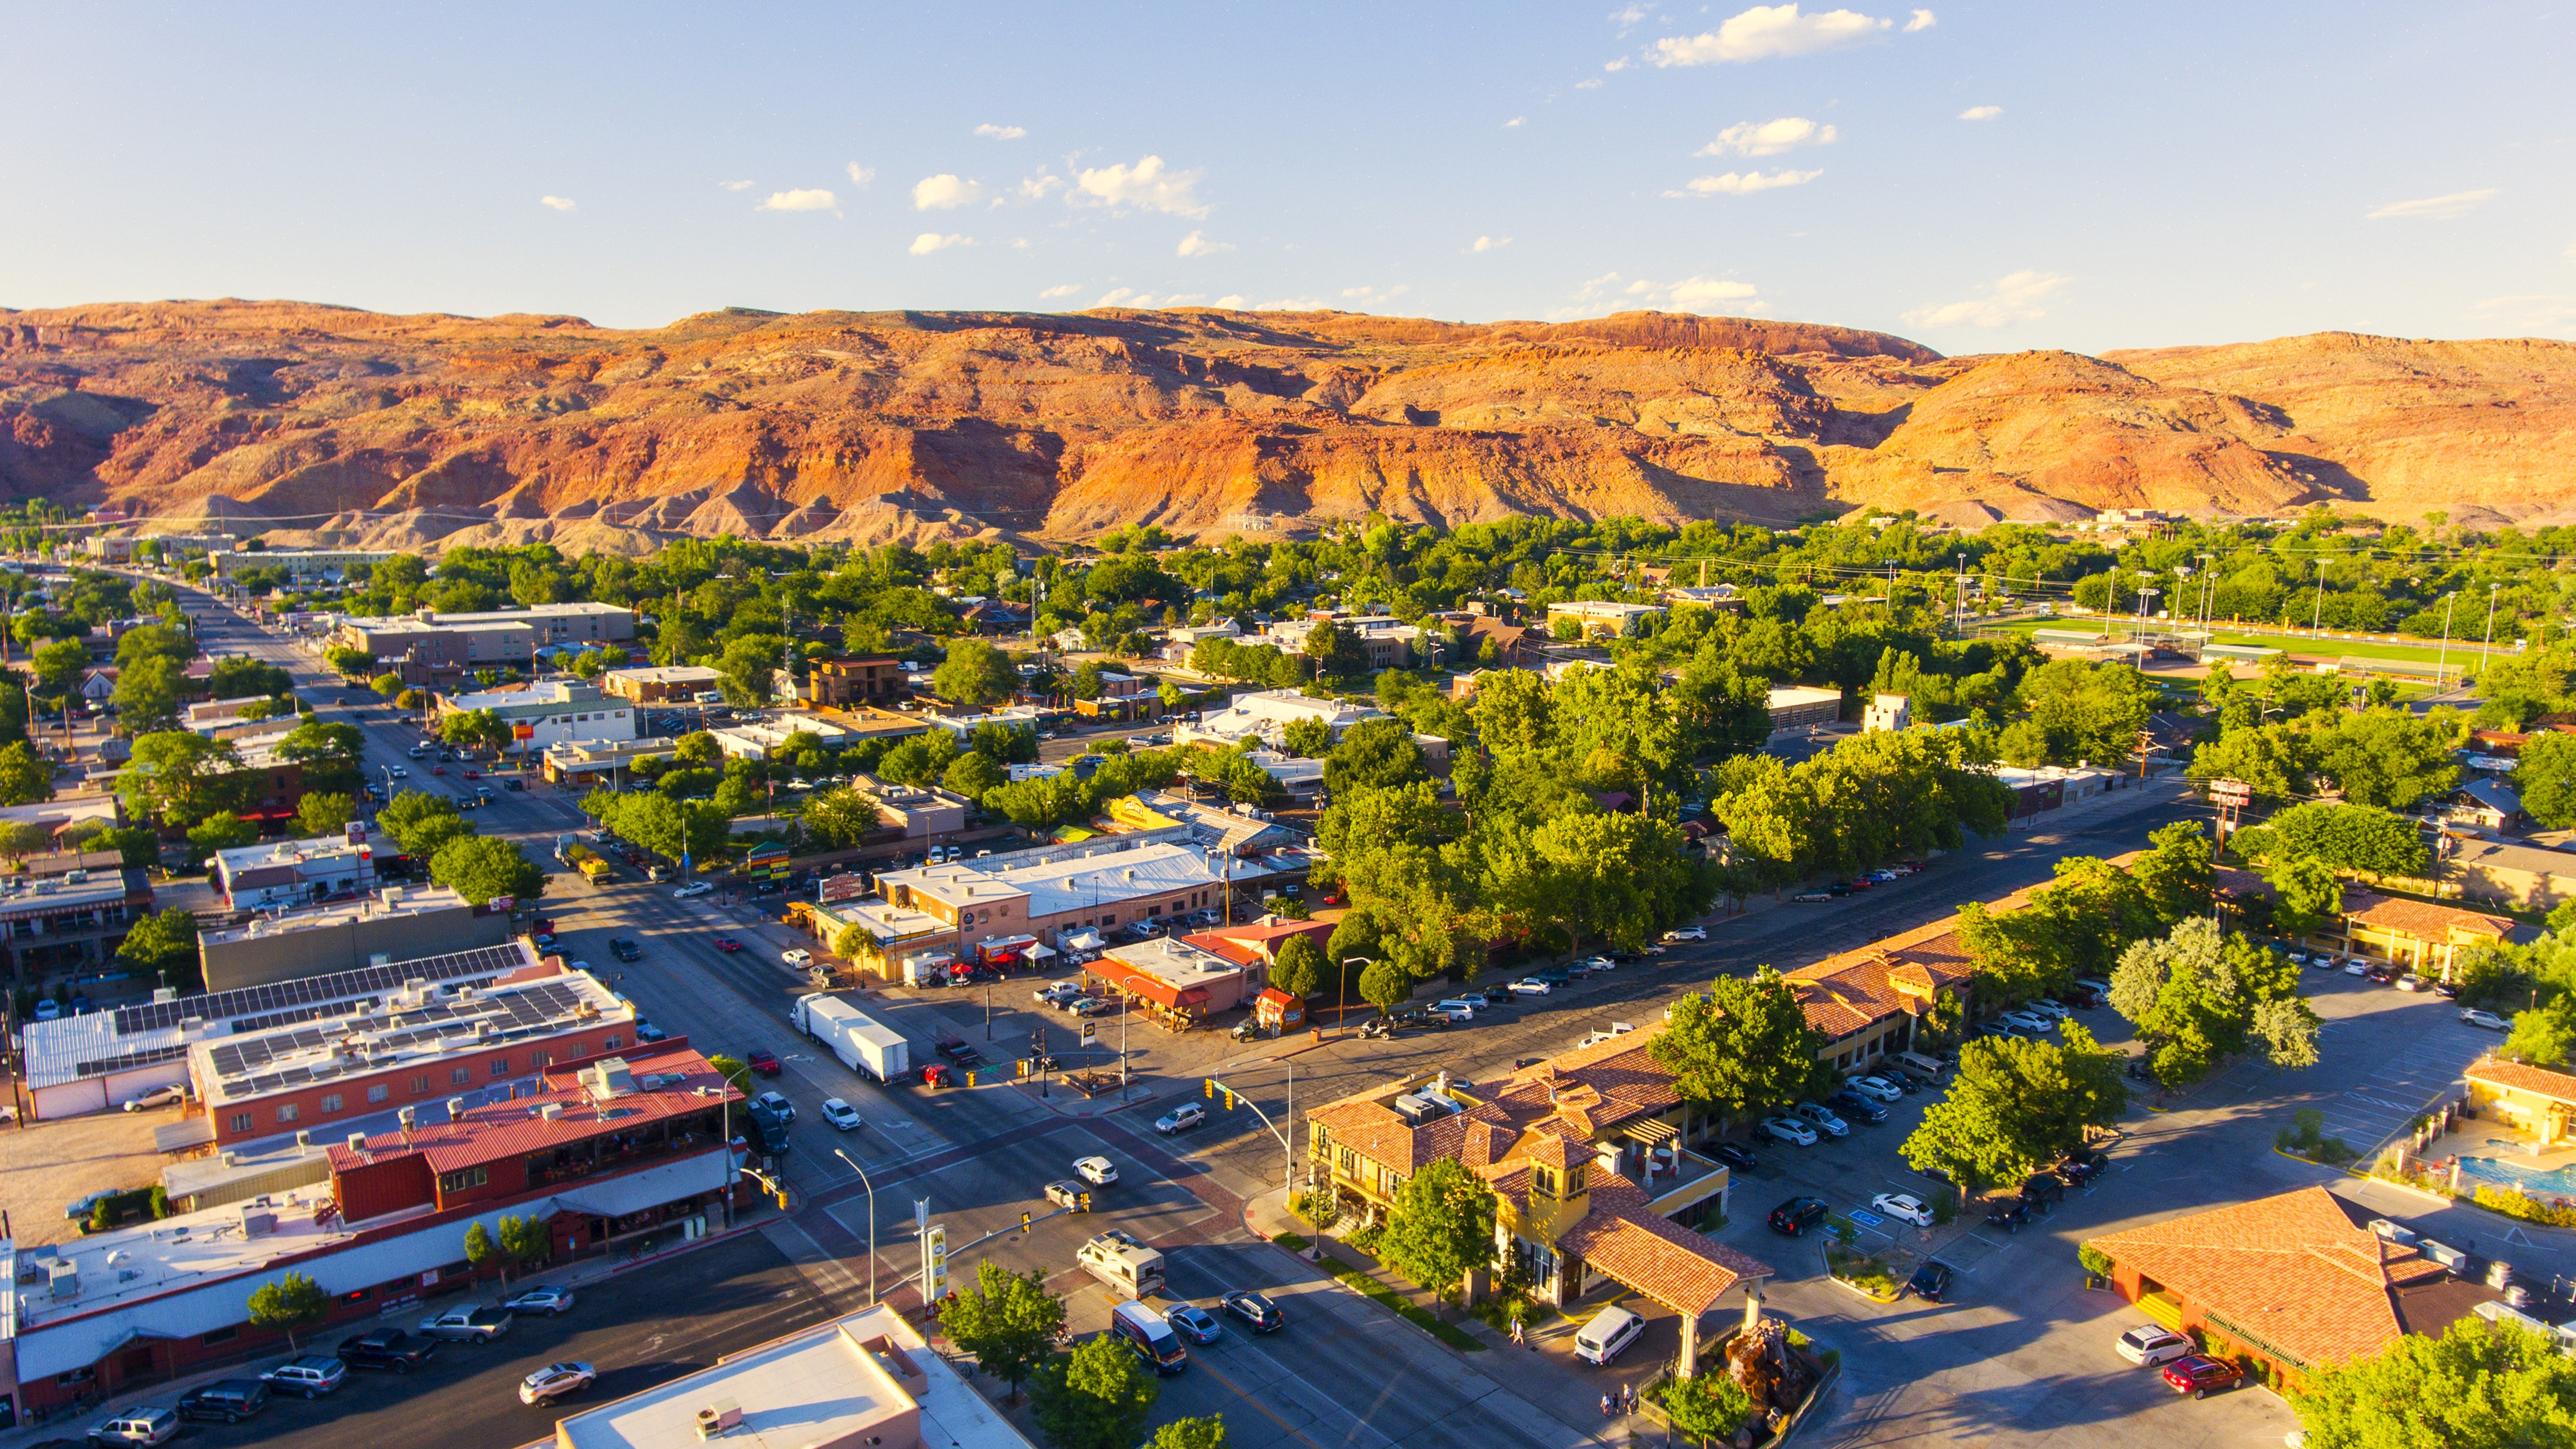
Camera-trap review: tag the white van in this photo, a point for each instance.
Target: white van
(1149, 1336)
(1610, 1330)
(1914, 1064)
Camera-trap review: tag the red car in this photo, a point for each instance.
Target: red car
(438, 769)
(474, 774)
(764, 1061)
(938, 1074)
(727, 944)
(2197, 1373)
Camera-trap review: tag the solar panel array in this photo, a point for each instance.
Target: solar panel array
(149, 1056)
(311, 996)
(243, 1066)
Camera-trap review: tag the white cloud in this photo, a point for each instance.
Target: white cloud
(1130, 297)
(559, 203)
(1615, 66)
(1196, 244)
(1514, 121)
(1001, 133)
(1981, 113)
(1233, 300)
(1593, 84)
(1768, 138)
(1373, 296)
(931, 241)
(812, 199)
(735, 185)
(1766, 32)
(1289, 304)
(1147, 185)
(1038, 187)
(1066, 290)
(1693, 293)
(1922, 21)
(1744, 184)
(861, 175)
(1611, 291)
(1627, 16)
(944, 192)
(2547, 312)
(2015, 298)
(1490, 243)
(2433, 208)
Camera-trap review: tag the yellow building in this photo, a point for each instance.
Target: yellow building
(2417, 934)
(2527, 1099)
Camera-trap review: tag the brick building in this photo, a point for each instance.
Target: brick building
(855, 679)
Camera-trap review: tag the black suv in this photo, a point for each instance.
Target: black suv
(1794, 1217)
(625, 950)
(386, 1348)
(1852, 1104)
(2007, 1213)
(2043, 1188)
(229, 1401)
(1931, 1282)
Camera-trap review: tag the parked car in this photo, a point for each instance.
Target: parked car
(1530, 986)
(763, 1061)
(2150, 1344)
(157, 1097)
(556, 1380)
(959, 1051)
(1085, 1006)
(1687, 933)
(796, 956)
(1056, 994)
(1255, 1311)
(476, 1324)
(1904, 1206)
(1098, 1171)
(1735, 1155)
(1597, 963)
(2356, 967)
(1496, 996)
(1815, 897)
(1195, 1323)
(1815, 1114)
(840, 1114)
(2007, 1213)
(2029, 1021)
(1181, 1119)
(2487, 1019)
(2048, 1008)
(1456, 1008)
(2410, 982)
(776, 1105)
(312, 1376)
(547, 1298)
(225, 1401)
(1878, 1087)
(135, 1426)
(1792, 1218)
(1789, 1129)
(1610, 1330)
(386, 1348)
(2042, 1188)
(1931, 1282)
(693, 888)
(2198, 1374)
(1853, 1104)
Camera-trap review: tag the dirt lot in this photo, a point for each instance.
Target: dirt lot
(49, 1164)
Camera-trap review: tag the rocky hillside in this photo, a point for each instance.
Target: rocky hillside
(353, 426)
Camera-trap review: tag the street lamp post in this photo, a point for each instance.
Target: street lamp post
(1342, 1000)
(872, 1221)
(2487, 647)
(2441, 661)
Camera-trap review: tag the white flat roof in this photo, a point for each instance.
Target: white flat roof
(669, 674)
(827, 1385)
(291, 852)
(1067, 883)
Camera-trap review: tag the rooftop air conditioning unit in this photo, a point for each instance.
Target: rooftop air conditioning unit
(717, 1418)
(409, 1117)
(257, 1223)
(552, 1111)
(456, 1109)
(358, 1141)
(303, 1138)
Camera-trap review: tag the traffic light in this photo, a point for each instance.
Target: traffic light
(1082, 1202)
(1024, 1222)
(1211, 1089)
(1229, 1099)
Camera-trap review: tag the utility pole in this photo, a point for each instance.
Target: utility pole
(2442, 661)
(1342, 1002)
(2487, 647)
(872, 1221)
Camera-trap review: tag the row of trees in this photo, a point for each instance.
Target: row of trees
(429, 828)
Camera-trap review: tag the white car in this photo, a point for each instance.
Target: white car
(1530, 986)
(398, 772)
(1597, 963)
(2487, 1019)
(136, 1426)
(694, 888)
(1821, 1117)
(2410, 982)
(2049, 1008)
(796, 956)
(2356, 967)
(1687, 933)
(2029, 1021)
(2150, 1344)
(840, 1114)
(1098, 1171)
(1057, 994)
(554, 1381)
(1905, 1206)
(1789, 1129)
(1456, 1008)
(157, 1097)
(545, 1298)
(1877, 1087)
(777, 1105)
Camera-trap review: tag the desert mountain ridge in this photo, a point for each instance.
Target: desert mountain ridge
(334, 425)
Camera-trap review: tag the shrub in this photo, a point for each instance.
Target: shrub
(2514, 1203)
(2095, 1261)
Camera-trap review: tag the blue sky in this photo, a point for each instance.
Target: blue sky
(1979, 177)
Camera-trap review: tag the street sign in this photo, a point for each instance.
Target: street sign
(2231, 792)
(934, 1262)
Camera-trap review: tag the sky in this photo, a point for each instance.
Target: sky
(1980, 178)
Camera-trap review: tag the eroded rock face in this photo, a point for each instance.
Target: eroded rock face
(413, 431)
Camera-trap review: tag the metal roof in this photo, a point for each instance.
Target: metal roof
(311, 996)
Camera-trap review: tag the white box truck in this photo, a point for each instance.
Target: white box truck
(863, 1044)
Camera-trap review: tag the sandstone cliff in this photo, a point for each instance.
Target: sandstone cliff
(353, 426)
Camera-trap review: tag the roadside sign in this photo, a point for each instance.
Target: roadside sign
(2231, 792)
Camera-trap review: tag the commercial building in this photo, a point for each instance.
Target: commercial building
(759, 739)
(1104, 883)
(1795, 708)
(427, 644)
(1386, 641)
(407, 1054)
(1886, 712)
(677, 682)
(855, 679)
(555, 712)
(91, 1062)
(1122, 696)
(206, 714)
(2528, 1099)
(303, 565)
(591, 762)
(1605, 618)
(919, 811)
(2420, 935)
(121, 547)
(2524, 877)
(1240, 831)
(2291, 1283)
(601, 1152)
(62, 924)
(1266, 713)
(1178, 982)
(1715, 596)
(283, 873)
(394, 923)
(1589, 1156)
(867, 1381)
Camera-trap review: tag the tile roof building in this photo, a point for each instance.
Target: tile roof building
(2294, 1282)
(1869, 1003)
(2526, 1098)
(2420, 934)
(1586, 1153)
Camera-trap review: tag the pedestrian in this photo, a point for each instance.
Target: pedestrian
(1629, 1393)
(1605, 1406)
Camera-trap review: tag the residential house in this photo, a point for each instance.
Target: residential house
(2488, 803)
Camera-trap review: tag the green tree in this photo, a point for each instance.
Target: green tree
(349, 663)
(320, 815)
(25, 777)
(840, 818)
(386, 686)
(238, 676)
(480, 1250)
(287, 1303)
(1385, 985)
(1207, 1433)
(421, 821)
(147, 691)
(2278, 761)
(2391, 758)
(222, 830)
(2307, 895)
(1374, 754)
(2092, 712)
(1707, 1408)
(2016, 1106)
(481, 868)
(2543, 1036)
(2202, 998)
(1743, 1047)
(732, 1071)
(1441, 1227)
(22, 838)
(2346, 837)
(329, 754)
(525, 1242)
(163, 945)
(749, 668)
(1300, 970)
(1336, 652)
(975, 675)
(2481, 1385)
(2175, 874)
(59, 665)
(1095, 1397)
(2545, 776)
(972, 775)
(1007, 1320)
(466, 728)
(1309, 739)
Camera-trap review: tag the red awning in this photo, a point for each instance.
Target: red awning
(1139, 983)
